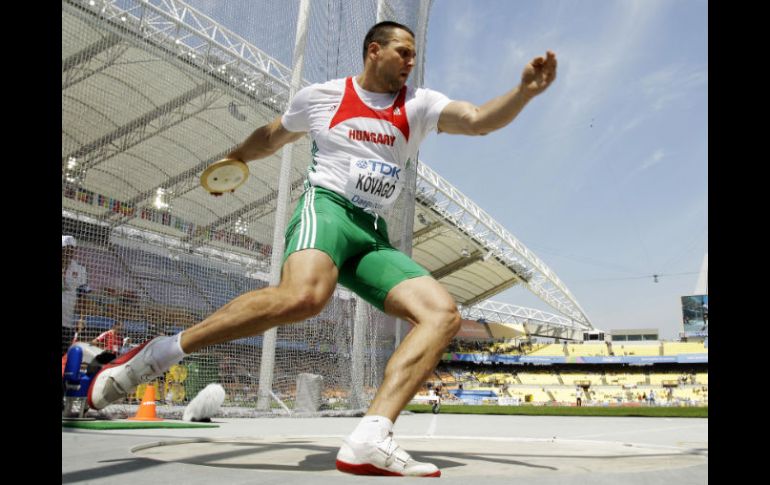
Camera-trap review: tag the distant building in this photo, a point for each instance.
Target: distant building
(634, 334)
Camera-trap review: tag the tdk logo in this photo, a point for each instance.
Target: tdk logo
(361, 164)
(380, 167)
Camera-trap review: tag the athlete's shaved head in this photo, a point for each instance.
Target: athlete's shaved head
(382, 33)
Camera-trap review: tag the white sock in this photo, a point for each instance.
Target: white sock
(168, 351)
(372, 428)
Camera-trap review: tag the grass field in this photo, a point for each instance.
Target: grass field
(654, 412)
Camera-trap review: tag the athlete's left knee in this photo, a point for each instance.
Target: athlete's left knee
(448, 320)
(454, 322)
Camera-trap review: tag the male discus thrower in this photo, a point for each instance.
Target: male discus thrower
(224, 175)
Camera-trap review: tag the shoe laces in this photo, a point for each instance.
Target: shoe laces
(393, 451)
(135, 365)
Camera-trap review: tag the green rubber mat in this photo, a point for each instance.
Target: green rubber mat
(120, 424)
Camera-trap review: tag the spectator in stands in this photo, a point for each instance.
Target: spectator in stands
(74, 284)
(111, 340)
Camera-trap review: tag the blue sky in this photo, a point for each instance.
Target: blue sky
(605, 175)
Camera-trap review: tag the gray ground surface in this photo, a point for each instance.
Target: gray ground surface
(487, 449)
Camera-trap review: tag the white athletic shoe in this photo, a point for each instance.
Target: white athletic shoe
(121, 376)
(384, 457)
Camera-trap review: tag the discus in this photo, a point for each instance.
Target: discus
(225, 175)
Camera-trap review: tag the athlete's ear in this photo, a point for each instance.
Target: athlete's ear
(374, 48)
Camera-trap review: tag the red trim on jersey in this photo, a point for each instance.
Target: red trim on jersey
(352, 107)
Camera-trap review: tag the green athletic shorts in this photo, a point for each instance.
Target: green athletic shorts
(367, 263)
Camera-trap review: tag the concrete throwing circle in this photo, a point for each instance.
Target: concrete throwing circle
(455, 456)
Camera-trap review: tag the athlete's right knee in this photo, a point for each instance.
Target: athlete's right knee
(305, 303)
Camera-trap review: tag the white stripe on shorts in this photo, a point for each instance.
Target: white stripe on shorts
(308, 219)
(302, 222)
(315, 222)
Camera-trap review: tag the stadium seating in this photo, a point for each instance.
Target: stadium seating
(657, 379)
(563, 394)
(538, 378)
(677, 348)
(570, 378)
(447, 378)
(627, 379)
(99, 322)
(498, 377)
(538, 395)
(690, 394)
(610, 388)
(588, 349)
(549, 350)
(636, 349)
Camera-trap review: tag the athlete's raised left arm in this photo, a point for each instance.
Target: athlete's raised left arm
(464, 118)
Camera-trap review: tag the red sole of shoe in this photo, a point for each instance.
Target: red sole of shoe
(120, 360)
(367, 469)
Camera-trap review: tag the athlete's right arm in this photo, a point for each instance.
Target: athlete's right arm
(265, 141)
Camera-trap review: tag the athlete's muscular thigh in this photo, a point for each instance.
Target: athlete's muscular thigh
(420, 299)
(309, 276)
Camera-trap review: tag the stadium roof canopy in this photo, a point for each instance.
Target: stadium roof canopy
(513, 320)
(196, 90)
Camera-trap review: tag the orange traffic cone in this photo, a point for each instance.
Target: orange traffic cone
(146, 410)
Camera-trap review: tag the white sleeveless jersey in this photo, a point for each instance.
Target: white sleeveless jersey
(363, 140)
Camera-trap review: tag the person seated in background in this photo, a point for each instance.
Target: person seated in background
(111, 340)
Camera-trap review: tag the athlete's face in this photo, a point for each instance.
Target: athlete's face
(395, 60)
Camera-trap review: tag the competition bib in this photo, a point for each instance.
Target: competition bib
(373, 184)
